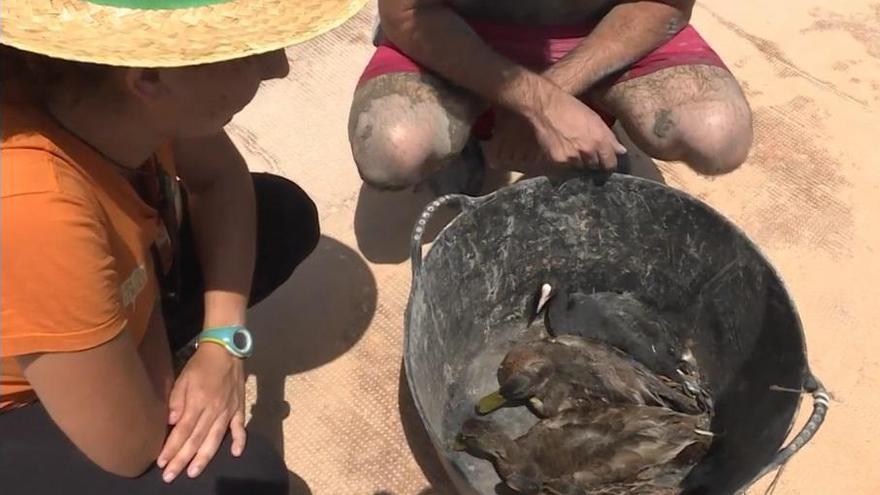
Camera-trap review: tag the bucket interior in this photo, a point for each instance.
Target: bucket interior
(469, 300)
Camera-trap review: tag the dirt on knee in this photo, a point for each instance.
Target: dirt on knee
(402, 125)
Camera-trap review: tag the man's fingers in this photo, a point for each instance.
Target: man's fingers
(574, 161)
(570, 155)
(239, 434)
(190, 445)
(209, 447)
(590, 159)
(618, 148)
(608, 159)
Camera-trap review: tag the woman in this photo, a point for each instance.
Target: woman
(131, 227)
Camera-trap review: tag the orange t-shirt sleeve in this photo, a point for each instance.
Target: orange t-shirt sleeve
(60, 290)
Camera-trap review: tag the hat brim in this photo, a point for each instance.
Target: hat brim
(86, 32)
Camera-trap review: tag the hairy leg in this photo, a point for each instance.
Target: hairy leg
(692, 113)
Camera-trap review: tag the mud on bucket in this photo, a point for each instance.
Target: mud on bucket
(470, 293)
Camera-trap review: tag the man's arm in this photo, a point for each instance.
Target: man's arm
(568, 131)
(223, 213)
(628, 32)
(435, 36)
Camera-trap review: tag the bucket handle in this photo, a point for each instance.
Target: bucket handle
(466, 203)
(821, 404)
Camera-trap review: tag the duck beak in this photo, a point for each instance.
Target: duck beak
(546, 292)
(491, 403)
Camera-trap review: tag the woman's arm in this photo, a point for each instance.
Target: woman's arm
(223, 212)
(65, 320)
(208, 397)
(103, 400)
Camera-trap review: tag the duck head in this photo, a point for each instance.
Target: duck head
(523, 374)
(484, 439)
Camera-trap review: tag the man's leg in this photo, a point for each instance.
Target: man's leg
(405, 125)
(692, 113)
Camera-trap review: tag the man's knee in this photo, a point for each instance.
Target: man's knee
(718, 140)
(402, 125)
(692, 113)
(713, 138)
(391, 155)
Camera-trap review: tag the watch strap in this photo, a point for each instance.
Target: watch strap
(225, 337)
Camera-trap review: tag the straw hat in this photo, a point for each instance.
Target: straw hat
(165, 33)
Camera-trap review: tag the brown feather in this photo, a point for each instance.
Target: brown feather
(571, 371)
(626, 447)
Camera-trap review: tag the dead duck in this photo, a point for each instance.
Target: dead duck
(555, 374)
(623, 450)
(624, 322)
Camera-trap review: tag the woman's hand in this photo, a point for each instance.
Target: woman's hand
(207, 399)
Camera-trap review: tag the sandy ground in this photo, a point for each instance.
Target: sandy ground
(328, 368)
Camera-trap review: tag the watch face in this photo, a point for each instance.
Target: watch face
(240, 340)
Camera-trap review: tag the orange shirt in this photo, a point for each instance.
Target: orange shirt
(76, 263)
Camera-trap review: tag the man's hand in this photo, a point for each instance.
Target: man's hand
(207, 399)
(571, 134)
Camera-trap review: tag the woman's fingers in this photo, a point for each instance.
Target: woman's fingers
(190, 444)
(181, 431)
(239, 434)
(208, 447)
(177, 401)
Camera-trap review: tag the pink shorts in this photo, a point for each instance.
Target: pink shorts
(539, 47)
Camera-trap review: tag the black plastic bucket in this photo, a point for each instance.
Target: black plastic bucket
(470, 293)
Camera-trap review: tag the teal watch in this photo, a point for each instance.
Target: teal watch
(236, 339)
